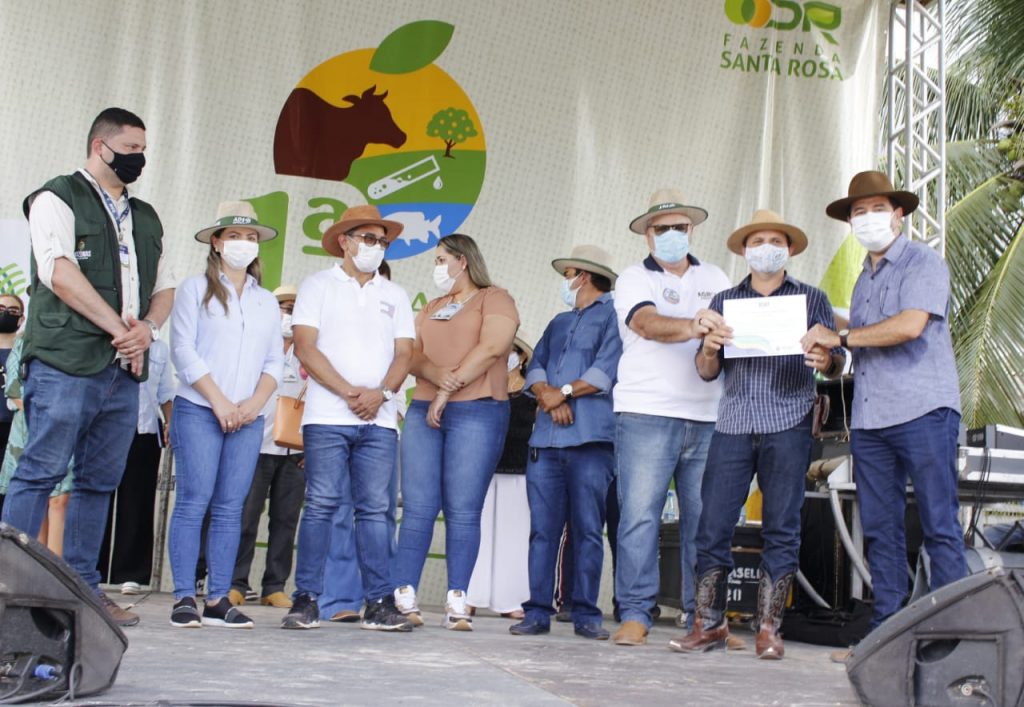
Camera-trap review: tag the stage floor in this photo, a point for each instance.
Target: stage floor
(340, 664)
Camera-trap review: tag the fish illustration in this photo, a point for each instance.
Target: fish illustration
(417, 227)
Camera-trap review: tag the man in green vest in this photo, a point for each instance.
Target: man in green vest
(100, 293)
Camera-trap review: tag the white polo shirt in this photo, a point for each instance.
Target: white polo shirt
(357, 331)
(657, 378)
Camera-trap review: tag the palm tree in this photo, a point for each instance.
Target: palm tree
(985, 209)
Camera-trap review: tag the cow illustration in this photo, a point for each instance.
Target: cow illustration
(320, 140)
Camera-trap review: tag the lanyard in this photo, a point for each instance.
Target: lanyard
(112, 208)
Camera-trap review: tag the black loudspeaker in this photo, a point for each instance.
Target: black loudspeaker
(55, 637)
(961, 645)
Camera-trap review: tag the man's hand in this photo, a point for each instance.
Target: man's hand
(716, 338)
(364, 402)
(819, 358)
(819, 335)
(705, 321)
(562, 415)
(135, 340)
(549, 397)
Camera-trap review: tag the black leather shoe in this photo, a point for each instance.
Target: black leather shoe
(595, 632)
(529, 627)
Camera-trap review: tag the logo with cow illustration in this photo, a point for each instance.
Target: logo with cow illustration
(393, 125)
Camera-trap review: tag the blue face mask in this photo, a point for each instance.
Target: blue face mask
(568, 293)
(671, 246)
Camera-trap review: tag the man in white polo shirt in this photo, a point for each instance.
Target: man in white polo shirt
(353, 331)
(665, 412)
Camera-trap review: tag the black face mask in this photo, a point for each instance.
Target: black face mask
(8, 323)
(126, 165)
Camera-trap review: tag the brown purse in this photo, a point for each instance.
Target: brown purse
(288, 421)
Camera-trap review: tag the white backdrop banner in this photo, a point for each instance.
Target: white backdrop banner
(532, 126)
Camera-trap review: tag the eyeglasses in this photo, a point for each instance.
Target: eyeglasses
(665, 227)
(370, 239)
(13, 311)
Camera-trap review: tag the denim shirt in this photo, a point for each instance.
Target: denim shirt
(582, 344)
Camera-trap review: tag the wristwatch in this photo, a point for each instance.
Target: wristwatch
(387, 393)
(566, 391)
(843, 333)
(154, 330)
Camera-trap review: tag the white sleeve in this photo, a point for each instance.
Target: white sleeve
(405, 322)
(51, 225)
(632, 291)
(308, 303)
(164, 276)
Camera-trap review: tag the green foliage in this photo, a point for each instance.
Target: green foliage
(411, 47)
(453, 125)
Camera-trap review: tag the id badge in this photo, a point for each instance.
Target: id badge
(123, 251)
(447, 312)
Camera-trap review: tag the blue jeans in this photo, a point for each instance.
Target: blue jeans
(580, 475)
(346, 465)
(91, 417)
(923, 449)
(780, 461)
(650, 451)
(213, 471)
(447, 469)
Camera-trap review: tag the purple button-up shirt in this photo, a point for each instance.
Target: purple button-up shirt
(896, 384)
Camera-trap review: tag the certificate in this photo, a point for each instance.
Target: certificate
(765, 326)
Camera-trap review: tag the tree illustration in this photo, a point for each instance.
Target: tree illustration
(454, 126)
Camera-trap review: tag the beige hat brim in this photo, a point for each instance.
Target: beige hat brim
(521, 343)
(392, 229)
(560, 265)
(696, 214)
(264, 233)
(797, 238)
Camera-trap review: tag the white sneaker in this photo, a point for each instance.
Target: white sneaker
(131, 588)
(405, 601)
(456, 613)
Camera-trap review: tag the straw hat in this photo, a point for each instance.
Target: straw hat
(237, 213)
(767, 220)
(587, 257)
(520, 341)
(285, 292)
(363, 215)
(667, 201)
(867, 184)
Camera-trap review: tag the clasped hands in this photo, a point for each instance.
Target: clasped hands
(234, 416)
(551, 401)
(134, 342)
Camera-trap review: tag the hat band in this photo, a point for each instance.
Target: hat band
(238, 221)
(662, 207)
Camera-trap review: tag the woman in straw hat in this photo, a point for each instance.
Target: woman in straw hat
(455, 426)
(228, 352)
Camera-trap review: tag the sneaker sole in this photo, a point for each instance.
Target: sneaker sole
(458, 624)
(401, 628)
(414, 618)
(221, 623)
(195, 623)
(298, 625)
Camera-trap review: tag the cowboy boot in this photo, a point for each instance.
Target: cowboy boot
(771, 602)
(710, 628)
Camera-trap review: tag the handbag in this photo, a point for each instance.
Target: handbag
(288, 421)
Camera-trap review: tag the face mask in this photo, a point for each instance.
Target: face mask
(873, 230)
(238, 254)
(569, 293)
(671, 246)
(8, 323)
(286, 326)
(369, 257)
(513, 361)
(766, 258)
(442, 279)
(126, 165)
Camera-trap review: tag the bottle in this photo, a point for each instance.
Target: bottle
(670, 513)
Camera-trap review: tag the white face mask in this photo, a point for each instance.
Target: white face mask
(569, 292)
(766, 258)
(513, 361)
(286, 326)
(442, 279)
(238, 254)
(369, 257)
(873, 230)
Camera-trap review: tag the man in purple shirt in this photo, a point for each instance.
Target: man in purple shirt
(906, 406)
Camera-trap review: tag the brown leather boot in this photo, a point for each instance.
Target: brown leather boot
(771, 602)
(710, 628)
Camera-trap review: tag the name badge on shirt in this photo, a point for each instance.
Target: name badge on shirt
(670, 295)
(83, 254)
(447, 312)
(123, 251)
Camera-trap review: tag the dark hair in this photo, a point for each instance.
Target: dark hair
(111, 122)
(602, 282)
(463, 246)
(384, 269)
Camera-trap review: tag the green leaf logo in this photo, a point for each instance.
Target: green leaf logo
(12, 280)
(411, 47)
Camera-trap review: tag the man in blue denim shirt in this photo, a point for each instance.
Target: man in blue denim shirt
(763, 428)
(571, 453)
(906, 404)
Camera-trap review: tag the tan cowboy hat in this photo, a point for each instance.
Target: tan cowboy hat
(587, 257)
(867, 184)
(667, 201)
(767, 220)
(237, 213)
(363, 215)
(520, 341)
(286, 292)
